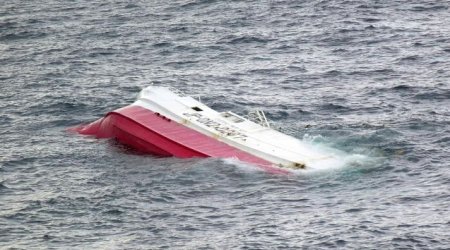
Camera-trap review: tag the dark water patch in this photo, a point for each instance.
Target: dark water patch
(444, 140)
(303, 112)
(8, 25)
(131, 6)
(101, 53)
(434, 95)
(18, 162)
(179, 64)
(383, 72)
(298, 69)
(113, 212)
(121, 19)
(56, 107)
(429, 7)
(403, 87)
(339, 50)
(162, 44)
(382, 138)
(355, 210)
(372, 5)
(130, 89)
(260, 59)
(335, 107)
(5, 119)
(268, 71)
(348, 30)
(108, 34)
(23, 35)
(410, 241)
(3, 186)
(245, 39)
(178, 29)
(409, 59)
(399, 150)
(63, 123)
(370, 20)
(332, 73)
(343, 40)
(73, 9)
(196, 3)
(186, 48)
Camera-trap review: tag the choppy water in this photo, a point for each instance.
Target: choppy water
(368, 78)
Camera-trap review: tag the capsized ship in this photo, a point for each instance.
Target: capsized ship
(165, 122)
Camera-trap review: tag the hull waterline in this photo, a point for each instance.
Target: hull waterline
(153, 133)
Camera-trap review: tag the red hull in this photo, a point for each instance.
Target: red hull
(155, 134)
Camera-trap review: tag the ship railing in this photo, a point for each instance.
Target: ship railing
(258, 116)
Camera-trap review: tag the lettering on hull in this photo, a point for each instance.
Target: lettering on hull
(219, 127)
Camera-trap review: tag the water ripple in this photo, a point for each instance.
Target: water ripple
(368, 79)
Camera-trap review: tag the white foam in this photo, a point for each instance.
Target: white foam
(246, 167)
(336, 159)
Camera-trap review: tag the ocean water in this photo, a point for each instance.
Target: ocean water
(369, 79)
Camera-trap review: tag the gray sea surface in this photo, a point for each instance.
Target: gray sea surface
(369, 78)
